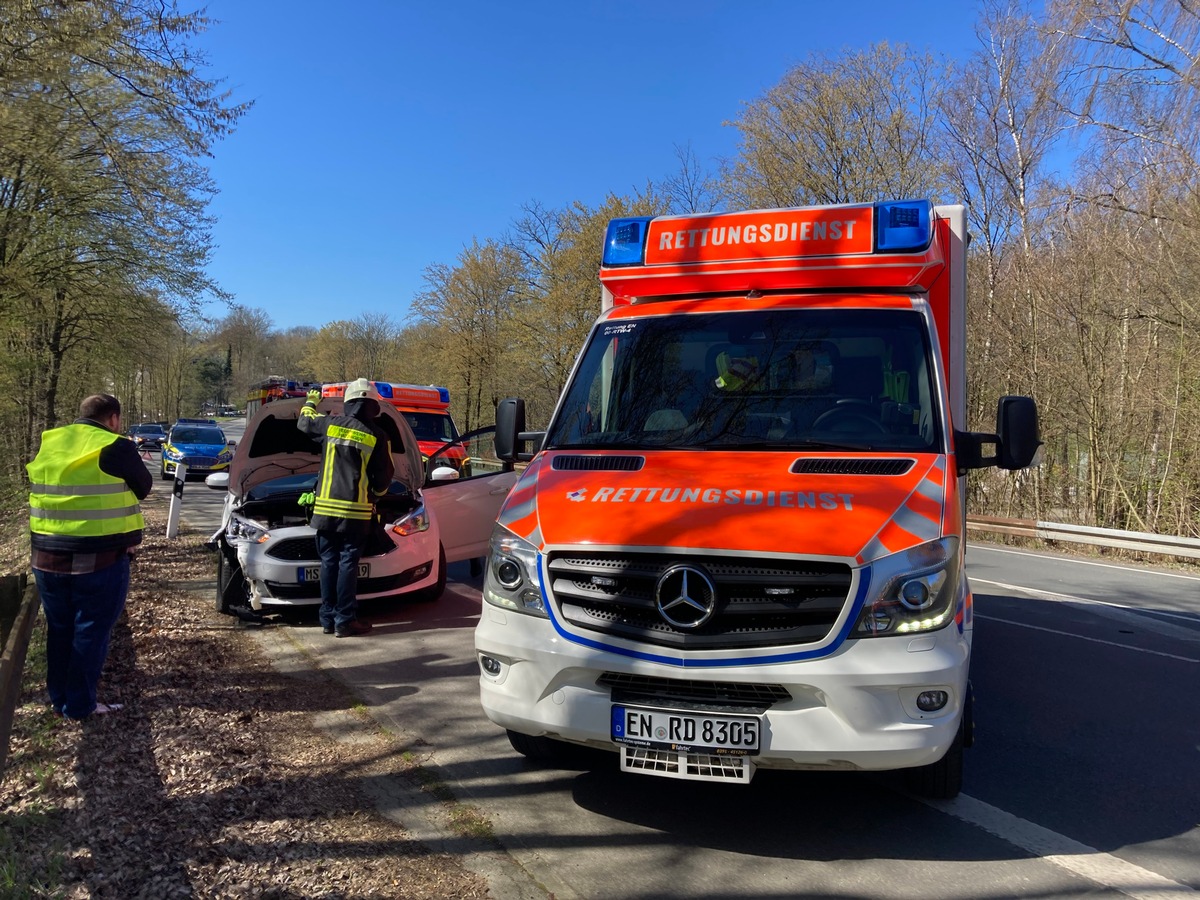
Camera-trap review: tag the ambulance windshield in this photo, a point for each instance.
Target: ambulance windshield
(772, 379)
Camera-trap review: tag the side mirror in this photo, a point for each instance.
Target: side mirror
(510, 421)
(1016, 443)
(443, 473)
(511, 436)
(218, 481)
(1017, 428)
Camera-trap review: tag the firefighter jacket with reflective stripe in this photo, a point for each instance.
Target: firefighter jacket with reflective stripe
(356, 465)
(76, 505)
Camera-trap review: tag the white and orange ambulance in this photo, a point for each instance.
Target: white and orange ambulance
(426, 408)
(739, 542)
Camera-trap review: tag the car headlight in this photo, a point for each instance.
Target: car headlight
(242, 531)
(511, 580)
(172, 453)
(225, 455)
(917, 590)
(413, 522)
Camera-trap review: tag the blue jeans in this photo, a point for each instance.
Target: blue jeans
(339, 577)
(81, 611)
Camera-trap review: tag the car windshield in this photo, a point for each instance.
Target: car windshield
(431, 426)
(192, 435)
(146, 429)
(794, 379)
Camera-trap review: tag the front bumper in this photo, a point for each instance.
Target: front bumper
(410, 566)
(854, 709)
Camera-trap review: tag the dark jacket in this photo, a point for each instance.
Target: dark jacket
(340, 480)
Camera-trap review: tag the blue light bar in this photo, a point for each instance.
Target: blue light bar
(384, 389)
(625, 242)
(444, 393)
(903, 225)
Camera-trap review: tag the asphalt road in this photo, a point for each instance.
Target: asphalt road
(1084, 780)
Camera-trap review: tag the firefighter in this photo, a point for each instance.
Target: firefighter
(85, 525)
(356, 467)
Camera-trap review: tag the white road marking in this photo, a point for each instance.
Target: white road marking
(1103, 869)
(1083, 637)
(1087, 562)
(1071, 598)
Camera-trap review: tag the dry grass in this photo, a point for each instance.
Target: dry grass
(213, 781)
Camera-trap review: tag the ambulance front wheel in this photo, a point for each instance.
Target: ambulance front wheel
(942, 780)
(539, 749)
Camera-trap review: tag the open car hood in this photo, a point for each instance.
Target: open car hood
(272, 446)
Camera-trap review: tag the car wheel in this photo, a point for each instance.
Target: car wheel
(435, 590)
(165, 476)
(232, 589)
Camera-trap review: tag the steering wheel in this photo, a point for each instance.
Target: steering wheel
(841, 418)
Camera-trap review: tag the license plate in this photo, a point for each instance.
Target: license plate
(677, 730)
(313, 573)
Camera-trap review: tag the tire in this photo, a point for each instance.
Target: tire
(231, 585)
(435, 590)
(942, 780)
(541, 749)
(165, 476)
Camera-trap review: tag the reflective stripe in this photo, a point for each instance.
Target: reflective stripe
(342, 434)
(78, 490)
(82, 514)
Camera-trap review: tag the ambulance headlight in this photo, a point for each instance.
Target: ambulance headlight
(511, 580)
(916, 591)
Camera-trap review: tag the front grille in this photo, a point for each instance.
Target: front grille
(301, 549)
(200, 462)
(759, 602)
(304, 549)
(724, 695)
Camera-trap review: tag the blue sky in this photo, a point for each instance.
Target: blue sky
(386, 136)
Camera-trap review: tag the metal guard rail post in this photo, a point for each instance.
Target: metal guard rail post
(1142, 542)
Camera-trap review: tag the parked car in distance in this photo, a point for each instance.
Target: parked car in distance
(147, 436)
(200, 444)
(266, 550)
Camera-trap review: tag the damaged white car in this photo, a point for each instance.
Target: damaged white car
(431, 515)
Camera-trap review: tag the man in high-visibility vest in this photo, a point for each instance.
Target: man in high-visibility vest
(85, 525)
(356, 467)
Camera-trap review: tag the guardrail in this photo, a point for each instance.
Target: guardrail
(19, 604)
(1142, 542)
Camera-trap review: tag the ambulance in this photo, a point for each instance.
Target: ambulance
(739, 542)
(427, 411)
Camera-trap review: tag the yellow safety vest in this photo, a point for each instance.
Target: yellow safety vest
(68, 493)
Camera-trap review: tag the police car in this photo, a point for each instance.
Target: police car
(198, 443)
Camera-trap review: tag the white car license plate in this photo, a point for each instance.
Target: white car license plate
(313, 573)
(678, 730)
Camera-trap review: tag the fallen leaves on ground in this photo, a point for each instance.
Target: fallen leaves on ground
(213, 781)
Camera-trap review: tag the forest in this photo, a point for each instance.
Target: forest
(1072, 134)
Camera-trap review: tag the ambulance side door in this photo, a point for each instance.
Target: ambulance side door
(466, 506)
